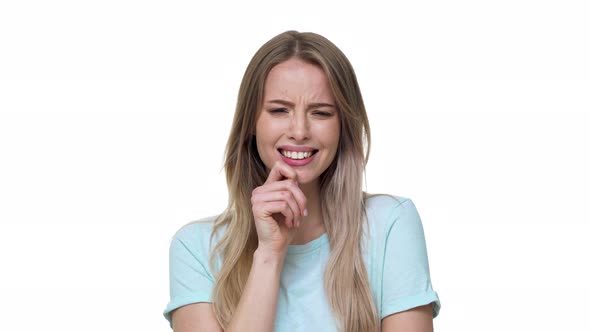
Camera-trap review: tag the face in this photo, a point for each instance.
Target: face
(299, 123)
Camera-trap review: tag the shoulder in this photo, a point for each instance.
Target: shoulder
(196, 227)
(196, 235)
(383, 206)
(385, 211)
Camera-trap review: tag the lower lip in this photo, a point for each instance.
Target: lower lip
(297, 162)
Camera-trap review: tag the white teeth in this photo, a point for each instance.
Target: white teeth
(296, 155)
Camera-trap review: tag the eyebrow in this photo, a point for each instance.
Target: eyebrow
(290, 104)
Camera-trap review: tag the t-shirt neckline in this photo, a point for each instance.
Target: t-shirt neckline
(296, 249)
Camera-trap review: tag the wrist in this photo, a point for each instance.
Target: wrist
(269, 256)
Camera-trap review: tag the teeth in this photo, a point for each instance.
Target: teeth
(296, 155)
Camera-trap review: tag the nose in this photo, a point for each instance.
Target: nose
(299, 127)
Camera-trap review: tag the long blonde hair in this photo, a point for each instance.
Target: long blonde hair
(346, 281)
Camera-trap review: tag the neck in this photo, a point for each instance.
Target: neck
(312, 226)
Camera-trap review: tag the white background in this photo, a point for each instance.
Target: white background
(114, 116)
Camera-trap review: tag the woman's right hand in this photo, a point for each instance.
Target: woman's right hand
(278, 206)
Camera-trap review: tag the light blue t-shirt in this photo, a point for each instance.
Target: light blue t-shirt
(395, 256)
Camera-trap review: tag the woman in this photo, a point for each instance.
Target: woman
(300, 246)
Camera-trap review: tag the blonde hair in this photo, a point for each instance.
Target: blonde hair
(346, 280)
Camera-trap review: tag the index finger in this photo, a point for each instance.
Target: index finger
(281, 171)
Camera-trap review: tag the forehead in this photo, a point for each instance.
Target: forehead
(295, 79)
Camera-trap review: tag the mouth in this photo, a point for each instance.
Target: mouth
(294, 155)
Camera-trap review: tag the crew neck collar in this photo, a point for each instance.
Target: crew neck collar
(297, 249)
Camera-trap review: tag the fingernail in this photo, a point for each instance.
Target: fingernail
(305, 212)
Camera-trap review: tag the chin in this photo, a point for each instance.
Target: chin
(306, 178)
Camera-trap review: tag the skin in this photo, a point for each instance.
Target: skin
(290, 115)
(286, 207)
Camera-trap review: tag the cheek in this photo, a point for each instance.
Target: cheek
(265, 138)
(259, 138)
(331, 134)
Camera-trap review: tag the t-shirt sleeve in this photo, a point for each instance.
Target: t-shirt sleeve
(406, 275)
(190, 277)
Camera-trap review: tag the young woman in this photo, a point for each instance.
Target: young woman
(300, 246)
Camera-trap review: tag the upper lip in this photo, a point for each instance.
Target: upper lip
(296, 148)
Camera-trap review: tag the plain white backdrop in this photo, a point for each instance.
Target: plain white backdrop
(114, 117)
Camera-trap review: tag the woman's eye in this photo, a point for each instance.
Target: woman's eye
(326, 114)
(279, 110)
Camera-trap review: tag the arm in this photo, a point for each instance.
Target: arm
(191, 282)
(195, 317)
(277, 207)
(409, 302)
(257, 306)
(417, 319)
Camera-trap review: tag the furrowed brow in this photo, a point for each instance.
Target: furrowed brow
(319, 105)
(282, 102)
(290, 104)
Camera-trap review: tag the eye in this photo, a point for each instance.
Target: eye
(278, 110)
(322, 114)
